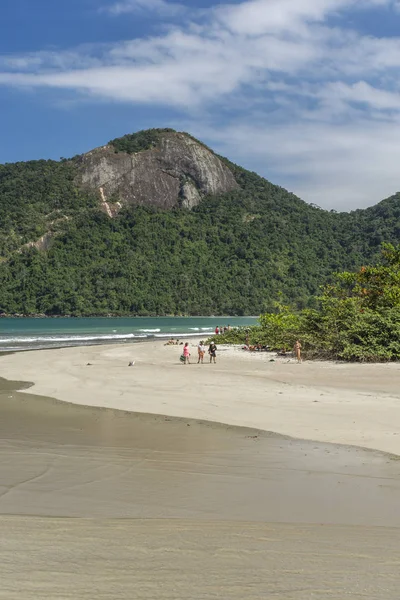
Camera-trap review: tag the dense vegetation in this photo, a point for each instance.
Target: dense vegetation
(147, 139)
(34, 196)
(233, 254)
(139, 141)
(358, 318)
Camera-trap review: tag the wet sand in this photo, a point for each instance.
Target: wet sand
(184, 560)
(105, 504)
(57, 458)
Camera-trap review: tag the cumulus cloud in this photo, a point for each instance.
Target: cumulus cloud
(279, 85)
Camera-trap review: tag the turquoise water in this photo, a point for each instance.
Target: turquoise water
(27, 334)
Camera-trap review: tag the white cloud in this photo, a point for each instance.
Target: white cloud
(314, 105)
(256, 17)
(161, 7)
(342, 167)
(362, 93)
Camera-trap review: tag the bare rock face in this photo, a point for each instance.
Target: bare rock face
(178, 171)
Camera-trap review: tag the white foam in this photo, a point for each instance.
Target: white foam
(176, 335)
(67, 338)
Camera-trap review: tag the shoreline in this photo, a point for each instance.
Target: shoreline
(347, 404)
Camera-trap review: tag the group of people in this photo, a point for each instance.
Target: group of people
(201, 350)
(221, 330)
(172, 342)
(256, 348)
(212, 350)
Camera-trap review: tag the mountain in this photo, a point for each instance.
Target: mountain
(157, 223)
(164, 169)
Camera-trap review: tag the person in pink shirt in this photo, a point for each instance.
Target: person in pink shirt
(186, 353)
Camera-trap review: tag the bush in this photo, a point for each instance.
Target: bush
(281, 329)
(359, 318)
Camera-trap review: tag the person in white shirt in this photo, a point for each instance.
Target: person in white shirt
(201, 351)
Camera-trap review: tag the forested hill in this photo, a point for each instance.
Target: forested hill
(156, 223)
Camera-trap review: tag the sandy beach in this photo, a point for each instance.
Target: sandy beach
(351, 404)
(162, 481)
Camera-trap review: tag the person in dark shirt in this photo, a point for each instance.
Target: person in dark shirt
(212, 351)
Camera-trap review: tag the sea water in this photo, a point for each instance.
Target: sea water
(36, 333)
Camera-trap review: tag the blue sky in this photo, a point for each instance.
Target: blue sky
(305, 92)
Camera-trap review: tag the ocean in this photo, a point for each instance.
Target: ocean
(18, 334)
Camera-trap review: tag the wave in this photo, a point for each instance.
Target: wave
(14, 342)
(68, 338)
(177, 335)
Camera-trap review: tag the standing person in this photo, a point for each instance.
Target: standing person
(186, 353)
(201, 351)
(217, 330)
(229, 327)
(212, 351)
(297, 351)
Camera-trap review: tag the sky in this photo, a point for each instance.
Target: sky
(304, 92)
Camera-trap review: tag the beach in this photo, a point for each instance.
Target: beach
(351, 404)
(244, 479)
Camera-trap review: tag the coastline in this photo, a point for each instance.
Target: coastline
(347, 404)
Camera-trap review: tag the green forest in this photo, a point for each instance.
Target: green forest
(357, 319)
(235, 254)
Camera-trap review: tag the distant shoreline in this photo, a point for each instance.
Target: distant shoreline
(126, 316)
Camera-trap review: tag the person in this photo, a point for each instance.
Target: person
(229, 327)
(297, 351)
(217, 330)
(186, 354)
(201, 351)
(212, 351)
(171, 342)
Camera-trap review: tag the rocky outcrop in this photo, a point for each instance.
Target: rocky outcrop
(178, 171)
